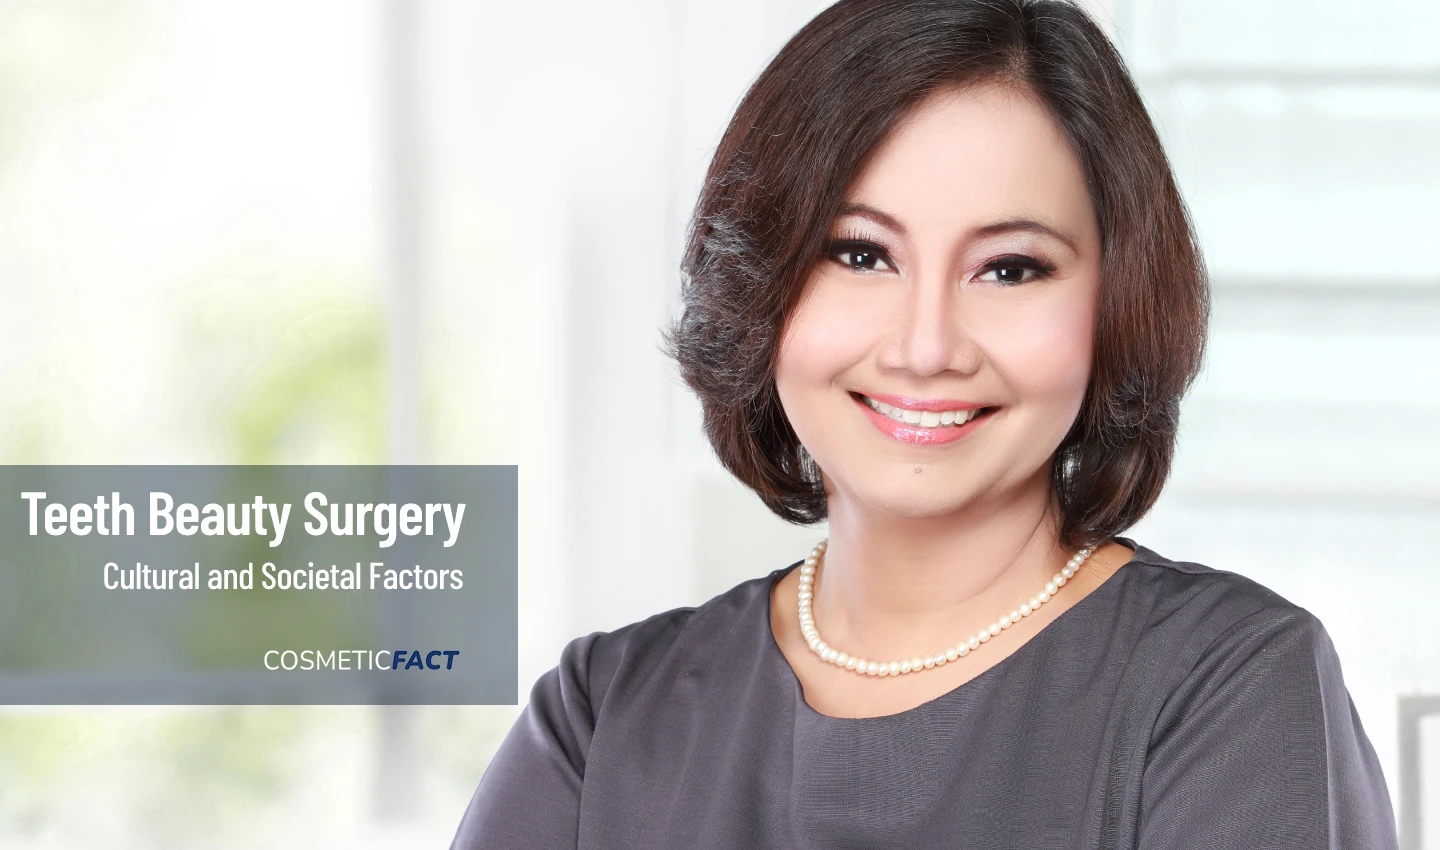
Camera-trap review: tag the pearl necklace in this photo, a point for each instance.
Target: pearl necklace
(939, 659)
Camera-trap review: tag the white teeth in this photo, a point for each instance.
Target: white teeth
(925, 419)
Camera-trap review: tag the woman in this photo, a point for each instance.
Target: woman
(942, 291)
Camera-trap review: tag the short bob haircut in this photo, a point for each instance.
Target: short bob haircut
(796, 143)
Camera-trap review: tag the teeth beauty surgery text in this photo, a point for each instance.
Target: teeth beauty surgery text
(113, 516)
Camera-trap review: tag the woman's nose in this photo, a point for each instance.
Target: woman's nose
(928, 333)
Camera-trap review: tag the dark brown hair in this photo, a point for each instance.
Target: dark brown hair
(793, 148)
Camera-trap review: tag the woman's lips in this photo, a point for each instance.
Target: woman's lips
(920, 434)
(935, 404)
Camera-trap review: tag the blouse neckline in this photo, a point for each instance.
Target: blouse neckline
(980, 680)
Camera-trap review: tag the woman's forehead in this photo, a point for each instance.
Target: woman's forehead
(982, 152)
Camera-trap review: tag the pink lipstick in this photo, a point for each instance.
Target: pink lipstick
(931, 421)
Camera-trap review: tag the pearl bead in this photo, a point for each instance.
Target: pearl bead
(810, 568)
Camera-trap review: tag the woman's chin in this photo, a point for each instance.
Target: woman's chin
(911, 503)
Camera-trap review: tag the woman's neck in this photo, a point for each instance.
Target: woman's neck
(886, 581)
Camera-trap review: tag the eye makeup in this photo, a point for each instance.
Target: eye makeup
(865, 250)
(856, 243)
(1042, 268)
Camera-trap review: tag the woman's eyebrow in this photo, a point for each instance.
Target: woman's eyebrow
(1026, 225)
(1011, 225)
(878, 216)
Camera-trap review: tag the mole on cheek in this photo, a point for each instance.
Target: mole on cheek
(917, 469)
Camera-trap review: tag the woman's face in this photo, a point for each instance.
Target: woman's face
(963, 272)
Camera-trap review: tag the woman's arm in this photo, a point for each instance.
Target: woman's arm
(529, 796)
(1261, 746)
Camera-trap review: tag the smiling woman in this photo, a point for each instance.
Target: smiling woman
(942, 291)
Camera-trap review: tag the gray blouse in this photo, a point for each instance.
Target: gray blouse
(1175, 706)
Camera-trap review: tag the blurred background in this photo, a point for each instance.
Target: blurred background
(367, 231)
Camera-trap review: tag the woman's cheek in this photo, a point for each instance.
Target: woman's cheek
(832, 330)
(1042, 348)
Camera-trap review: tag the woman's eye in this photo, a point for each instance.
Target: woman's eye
(1012, 271)
(860, 256)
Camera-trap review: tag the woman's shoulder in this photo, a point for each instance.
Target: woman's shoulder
(1252, 713)
(656, 646)
(1205, 600)
(1208, 623)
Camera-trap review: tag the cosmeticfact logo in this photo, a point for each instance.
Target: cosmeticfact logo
(398, 660)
